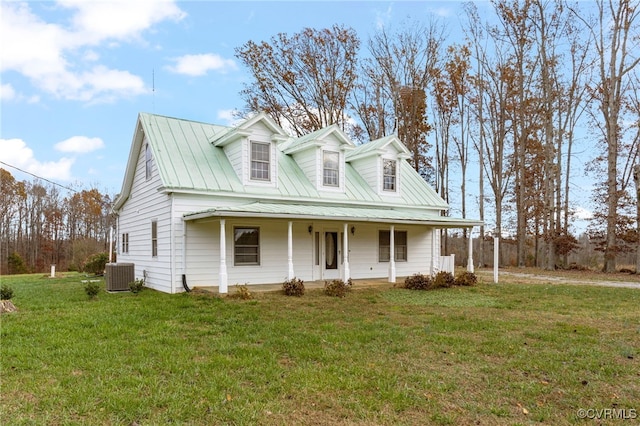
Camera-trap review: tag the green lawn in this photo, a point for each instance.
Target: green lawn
(487, 355)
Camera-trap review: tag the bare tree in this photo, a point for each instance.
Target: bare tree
(615, 39)
(303, 80)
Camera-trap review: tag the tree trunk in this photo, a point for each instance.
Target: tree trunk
(636, 178)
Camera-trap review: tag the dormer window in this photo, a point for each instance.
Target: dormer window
(260, 161)
(389, 175)
(331, 168)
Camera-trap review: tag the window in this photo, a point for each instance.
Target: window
(260, 161)
(389, 175)
(125, 243)
(246, 246)
(331, 168)
(400, 245)
(154, 238)
(147, 161)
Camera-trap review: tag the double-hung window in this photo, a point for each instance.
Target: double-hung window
(331, 168)
(246, 245)
(399, 243)
(260, 161)
(389, 175)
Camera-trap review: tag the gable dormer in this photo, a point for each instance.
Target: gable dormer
(379, 163)
(321, 155)
(251, 148)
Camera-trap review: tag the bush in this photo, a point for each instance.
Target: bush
(136, 286)
(466, 279)
(96, 263)
(16, 264)
(337, 288)
(293, 287)
(92, 289)
(243, 292)
(6, 292)
(443, 280)
(418, 282)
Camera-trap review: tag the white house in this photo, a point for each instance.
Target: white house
(209, 205)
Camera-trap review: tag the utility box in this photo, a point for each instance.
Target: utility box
(118, 276)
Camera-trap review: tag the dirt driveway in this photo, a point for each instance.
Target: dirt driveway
(539, 276)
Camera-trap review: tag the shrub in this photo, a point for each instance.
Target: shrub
(337, 288)
(92, 289)
(466, 279)
(242, 292)
(6, 292)
(16, 264)
(418, 282)
(136, 286)
(96, 263)
(293, 287)
(443, 280)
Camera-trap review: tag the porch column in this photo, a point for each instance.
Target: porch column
(345, 253)
(222, 284)
(392, 255)
(290, 274)
(470, 259)
(435, 266)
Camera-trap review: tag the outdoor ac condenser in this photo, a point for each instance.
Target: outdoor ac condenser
(119, 275)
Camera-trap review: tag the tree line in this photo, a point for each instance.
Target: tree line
(510, 99)
(40, 227)
(508, 102)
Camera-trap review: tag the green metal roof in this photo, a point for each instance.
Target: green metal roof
(338, 213)
(187, 161)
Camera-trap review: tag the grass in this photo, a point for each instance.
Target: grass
(487, 355)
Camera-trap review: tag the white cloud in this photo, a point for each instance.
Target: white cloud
(8, 93)
(197, 65)
(16, 153)
(229, 117)
(54, 57)
(118, 19)
(79, 144)
(443, 12)
(583, 214)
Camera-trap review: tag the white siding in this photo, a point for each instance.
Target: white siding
(308, 163)
(203, 253)
(145, 205)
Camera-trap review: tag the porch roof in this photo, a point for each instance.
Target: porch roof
(337, 213)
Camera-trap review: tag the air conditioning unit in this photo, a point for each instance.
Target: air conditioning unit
(119, 275)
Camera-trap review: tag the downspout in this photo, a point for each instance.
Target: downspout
(184, 256)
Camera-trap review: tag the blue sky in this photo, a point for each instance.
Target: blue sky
(75, 73)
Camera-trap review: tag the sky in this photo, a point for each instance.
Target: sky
(74, 74)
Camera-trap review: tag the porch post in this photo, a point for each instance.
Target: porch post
(290, 274)
(470, 259)
(434, 252)
(345, 253)
(392, 255)
(222, 285)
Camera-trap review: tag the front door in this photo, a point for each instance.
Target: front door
(331, 258)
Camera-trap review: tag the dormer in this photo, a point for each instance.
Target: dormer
(321, 156)
(378, 162)
(251, 148)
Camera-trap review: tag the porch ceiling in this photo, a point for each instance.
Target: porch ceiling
(337, 213)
